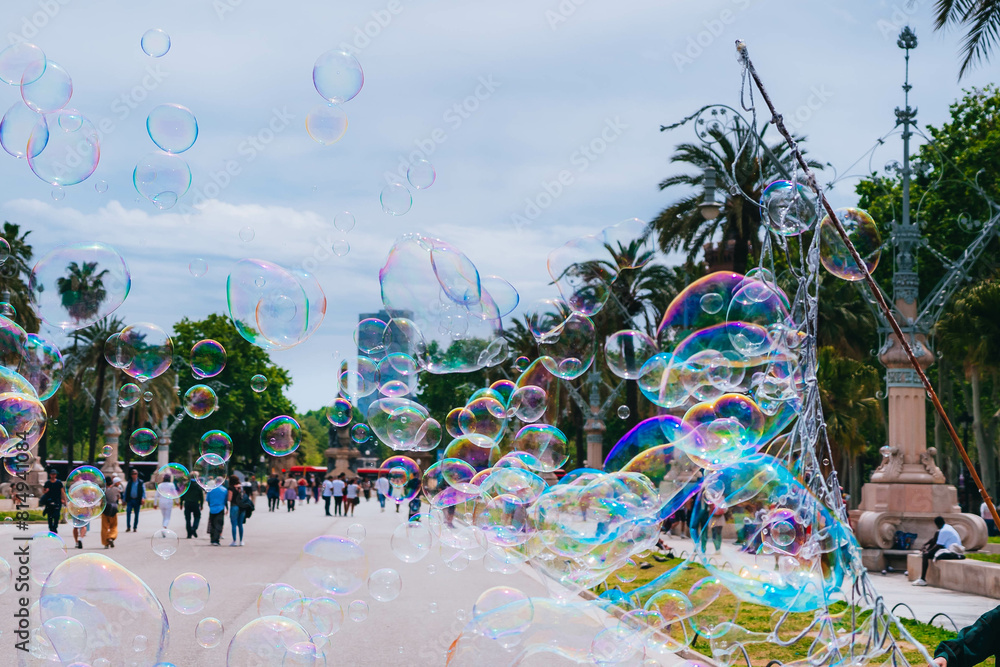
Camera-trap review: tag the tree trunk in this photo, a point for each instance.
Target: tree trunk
(95, 413)
(987, 457)
(71, 432)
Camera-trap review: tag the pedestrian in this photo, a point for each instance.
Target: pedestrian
(236, 501)
(135, 493)
(338, 494)
(290, 499)
(109, 519)
(53, 500)
(351, 496)
(303, 490)
(273, 493)
(192, 502)
(413, 508)
(80, 532)
(327, 493)
(381, 489)
(991, 527)
(217, 498)
(973, 645)
(366, 488)
(315, 487)
(165, 492)
(945, 539)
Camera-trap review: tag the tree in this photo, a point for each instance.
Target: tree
(681, 226)
(241, 411)
(981, 18)
(89, 360)
(14, 275)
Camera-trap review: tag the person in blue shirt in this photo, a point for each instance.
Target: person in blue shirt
(134, 494)
(217, 498)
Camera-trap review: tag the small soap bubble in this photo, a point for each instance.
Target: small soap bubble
(421, 174)
(58, 194)
(247, 234)
(623, 412)
(341, 247)
(395, 199)
(258, 383)
(198, 267)
(101, 187)
(344, 221)
(155, 43)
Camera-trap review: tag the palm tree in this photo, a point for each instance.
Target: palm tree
(847, 391)
(982, 20)
(91, 366)
(844, 321)
(681, 226)
(971, 332)
(82, 290)
(14, 274)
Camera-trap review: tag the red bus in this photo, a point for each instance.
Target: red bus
(300, 471)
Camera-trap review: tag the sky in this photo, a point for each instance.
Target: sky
(500, 97)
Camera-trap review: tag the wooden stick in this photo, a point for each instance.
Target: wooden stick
(779, 123)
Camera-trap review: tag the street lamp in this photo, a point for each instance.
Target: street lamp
(709, 207)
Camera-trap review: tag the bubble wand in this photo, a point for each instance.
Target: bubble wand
(779, 124)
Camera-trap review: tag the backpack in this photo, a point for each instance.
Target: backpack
(245, 504)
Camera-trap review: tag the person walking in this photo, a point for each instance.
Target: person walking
(273, 493)
(351, 496)
(314, 486)
(366, 488)
(327, 494)
(235, 500)
(217, 499)
(290, 498)
(135, 493)
(192, 502)
(52, 500)
(165, 492)
(946, 538)
(109, 519)
(338, 494)
(303, 490)
(80, 532)
(381, 489)
(973, 645)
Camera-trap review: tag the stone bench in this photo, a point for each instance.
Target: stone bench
(7, 504)
(968, 576)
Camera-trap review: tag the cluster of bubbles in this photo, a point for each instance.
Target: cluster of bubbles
(338, 78)
(396, 198)
(61, 146)
(163, 176)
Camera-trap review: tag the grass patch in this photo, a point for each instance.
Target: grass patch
(34, 516)
(761, 619)
(994, 539)
(989, 558)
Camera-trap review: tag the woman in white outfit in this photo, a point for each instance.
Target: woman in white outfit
(165, 493)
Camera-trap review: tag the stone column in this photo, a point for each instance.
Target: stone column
(163, 450)
(594, 429)
(111, 467)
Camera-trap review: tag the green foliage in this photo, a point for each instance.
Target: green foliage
(314, 437)
(14, 276)
(242, 412)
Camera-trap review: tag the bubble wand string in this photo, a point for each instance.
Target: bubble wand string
(779, 124)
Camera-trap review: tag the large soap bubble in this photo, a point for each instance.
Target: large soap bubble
(43, 366)
(172, 128)
(149, 349)
(864, 235)
(74, 286)
(271, 307)
(280, 436)
(269, 640)
(64, 148)
(789, 208)
(337, 76)
(335, 564)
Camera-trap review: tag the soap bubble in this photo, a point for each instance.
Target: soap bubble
(66, 150)
(200, 401)
(395, 199)
(266, 641)
(865, 237)
(335, 564)
(216, 443)
(100, 187)
(149, 349)
(179, 480)
(16, 127)
(502, 612)
(421, 174)
(341, 247)
(280, 436)
(360, 433)
(385, 585)
(208, 358)
(189, 593)
(545, 444)
(356, 532)
(258, 383)
(162, 178)
(211, 470)
(502, 292)
(143, 441)
(23, 416)
(789, 208)
(172, 128)
(358, 611)
(271, 307)
(209, 631)
(337, 76)
(623, 412)
(17, 58)
(198, 267)
(43, 366)
(155, 43)
(46, 87)
(67, 637)
(411, 541)
(626, 351)
(326, 124)
(246, 234)
(404, 478)
(276, 597)
(340, 412)
(164, 543)
(344, 221)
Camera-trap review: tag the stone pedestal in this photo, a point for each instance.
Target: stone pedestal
(111, 468)
(594, 429)
(339, 460)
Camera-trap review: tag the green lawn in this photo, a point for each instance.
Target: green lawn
(760, 619)
(34, 516)
(995, 539)
(989, 558)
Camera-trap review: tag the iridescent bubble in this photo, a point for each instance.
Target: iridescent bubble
(164, 543)
(162, 178)
(149, 349)
(411, 541)
(63, 148)
(23, 416)
(404, 478)
(369, 336)
(502, 292)
(43, 366)
(421, 174)
(200, 401)
(337, 76)
(100, 187)
(395, 199)
(326, 124)
(258, 383)
(198, 267)
(277, 597)
(217, 443)
(209, 471)
(143, 441)
(12, 342)
(272, 307)
(623, 412)
(209, 631)
(76, 285)
(527, 403)
(358, 611)
(340, 412)
(208, 358)
(344, 221)
(16, 128)
(863, 234)
(46, 87)
(341, 247)
(271, 640)
(4, 250)
(172, 127)
(189, 593)
(17, 58)
(385, 585)
(58, 194)
(155, 43)
(280, 436)
(789, 208)
(67, 637)
(87, 473)
(360, 433)
(569, 351)
(626, 351)
(546, 445)
(335, 564)
(356, 532)
(502, 612)
(147, 396)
